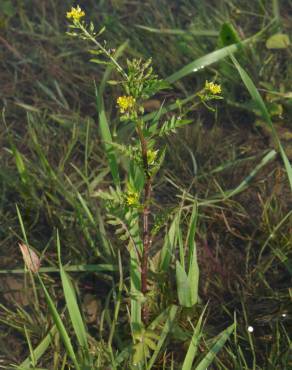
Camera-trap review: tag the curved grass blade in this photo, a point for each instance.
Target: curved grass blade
(213, 57)
(205, 61)
(265, 115)
(209, 358)
(223, 196)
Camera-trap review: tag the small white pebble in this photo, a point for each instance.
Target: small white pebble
(250, 329)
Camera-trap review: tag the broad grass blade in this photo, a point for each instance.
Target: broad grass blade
(73, 309)
(213, 57)
(169, 243)
(183, 286)
(204, 61)
(208, 359)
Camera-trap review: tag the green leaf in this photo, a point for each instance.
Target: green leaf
(72, 306)
(60, 326)
(193, 347)
(103, 122)
(40, 349)
(213, 57)
(135, 278)
(169, 243)
(140, 352)
(192, 232)
(205, 61)
(7, 7)
(20, 165)
(191, 31)
(208, 359)
(98, 61)
(107, 138)
(183, 286)
(228, 35)
(73, 268)
(265, 115)
(193, 279)
(165, 331)
(278, 41)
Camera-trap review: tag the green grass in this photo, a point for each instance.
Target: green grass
(226, 179)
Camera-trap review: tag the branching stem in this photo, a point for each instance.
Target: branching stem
(103, 49)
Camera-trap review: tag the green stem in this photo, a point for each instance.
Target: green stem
(103, 49)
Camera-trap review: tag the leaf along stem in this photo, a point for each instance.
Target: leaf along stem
(146, 212)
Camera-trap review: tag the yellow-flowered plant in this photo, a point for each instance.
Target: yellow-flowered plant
(212, 88)
(126, 103)
(131, 207)
(75, 13)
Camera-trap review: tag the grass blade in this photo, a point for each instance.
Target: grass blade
(107, 138)
(193, 347)
(73, 309)
(40, 349)
(208, 359)
(103, 122)
(173, 31)
(265, 115)
(214, 56)
(204, 61)
(183, 286)
(60, 326)
(165, 331)
(169, 243)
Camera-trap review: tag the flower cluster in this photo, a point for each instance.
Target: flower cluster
(212, 88)
(126, 103)
(75, 13)
(132, 198)
(211, 91)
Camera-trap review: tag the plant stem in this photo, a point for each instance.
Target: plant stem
(146, 213)
(103, 49)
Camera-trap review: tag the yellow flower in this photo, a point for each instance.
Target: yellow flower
(126, 103)
(213, 88)
(75, 13)
(151, 156)
(132, 198)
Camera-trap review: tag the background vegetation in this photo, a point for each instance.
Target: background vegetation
(53, 164)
